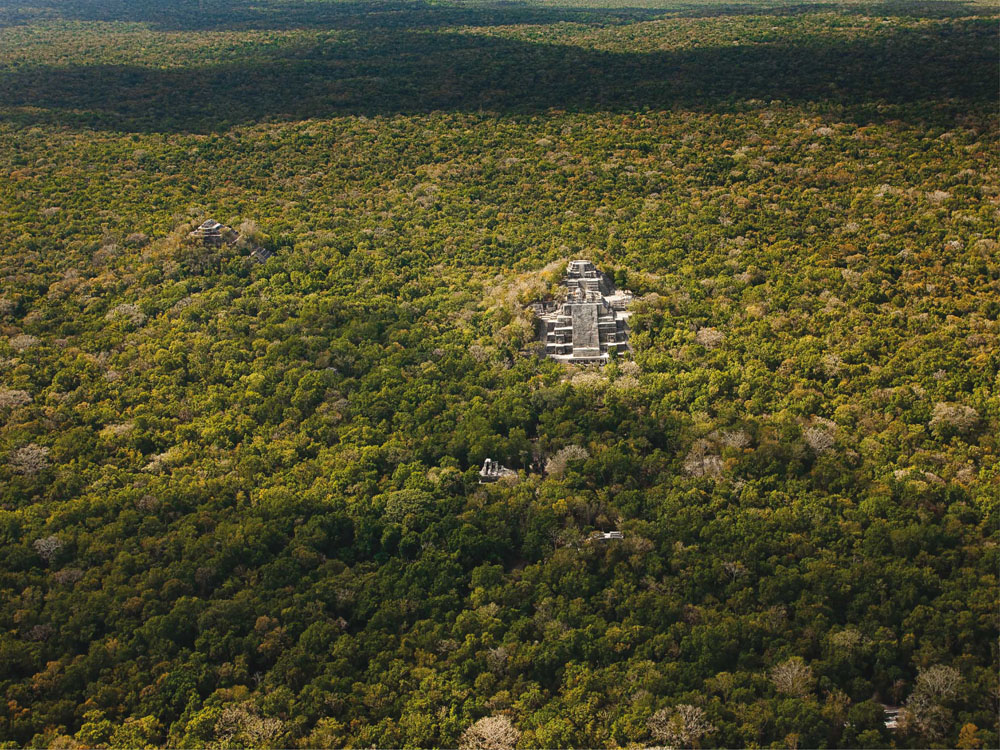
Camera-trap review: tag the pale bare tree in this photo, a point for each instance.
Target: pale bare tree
(820, 439)
(242, 726)
(497, 659)
(682, 726)
(939, 682)
(709, 337)
(737, 439)
(67, 576)
(128, 312)
(490, 733)
(588, 381)
(12, 398)
(959, 417)
(557, 465)
(29, 459)
(924, 713)
(702, 461)
(116, 430)
(630, 368)
(924, 717)
(792, 677)
(832, 363)
(734, 569)
(23, 341)
(249, 230)
(47, 547)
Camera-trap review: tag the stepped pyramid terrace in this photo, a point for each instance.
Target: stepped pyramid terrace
(215, 234)
(590, 322)
(210, 232)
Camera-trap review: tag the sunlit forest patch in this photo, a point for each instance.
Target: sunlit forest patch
(239, 500)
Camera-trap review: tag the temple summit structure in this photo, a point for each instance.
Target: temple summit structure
(211, 232)
(215, 234)
(590, 322)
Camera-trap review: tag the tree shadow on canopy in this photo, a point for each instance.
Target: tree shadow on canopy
(388, 72)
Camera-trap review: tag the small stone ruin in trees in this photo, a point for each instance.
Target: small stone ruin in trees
(606, 536)
(214, 234)
(493, 471)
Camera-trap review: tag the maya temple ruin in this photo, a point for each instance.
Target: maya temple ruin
(493, 471)
(211, 232)
(215, 234)
(590, 322)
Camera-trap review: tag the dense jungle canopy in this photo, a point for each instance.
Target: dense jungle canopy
(239, 503)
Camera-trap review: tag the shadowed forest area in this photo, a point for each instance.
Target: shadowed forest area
(204, 15)
(239, 493)
(401, 59)
(388, 72)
